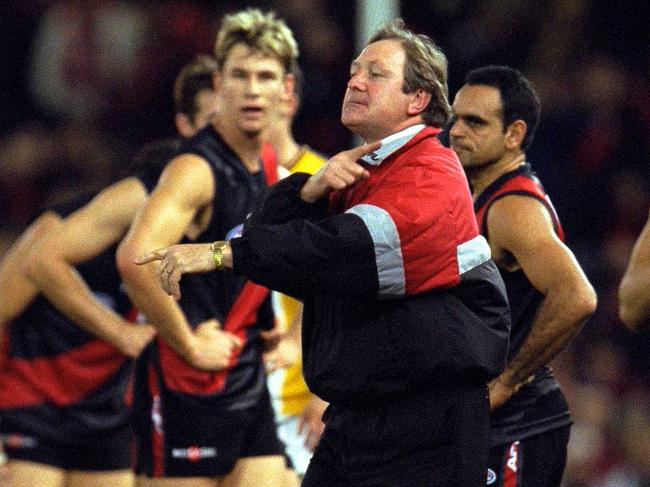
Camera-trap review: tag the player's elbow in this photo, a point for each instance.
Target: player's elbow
(589, 301)
(35, 266)
(585, 302)
(38, 259)
(125, 257)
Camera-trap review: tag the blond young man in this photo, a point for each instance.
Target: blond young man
(203, 416)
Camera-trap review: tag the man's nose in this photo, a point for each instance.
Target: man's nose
(253, 86)
(356, 82)
(456, 129)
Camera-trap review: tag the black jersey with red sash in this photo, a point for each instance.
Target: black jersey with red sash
(241, 307)
(539, 406)
(59, 382)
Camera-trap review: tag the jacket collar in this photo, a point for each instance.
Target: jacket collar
(392, 143)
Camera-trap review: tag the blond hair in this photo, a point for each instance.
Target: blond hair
(425, 68)
(262, 32)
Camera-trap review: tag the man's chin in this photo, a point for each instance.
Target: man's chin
(252, 132)
(354, 125)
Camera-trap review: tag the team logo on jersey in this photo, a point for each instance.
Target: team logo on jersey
(513, 456)
(194, 453)
(491, 477)
(235, 232)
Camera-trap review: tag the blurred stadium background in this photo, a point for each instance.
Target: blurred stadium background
(84, 83)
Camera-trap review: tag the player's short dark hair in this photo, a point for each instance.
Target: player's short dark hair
(519, 101)
(192, 79)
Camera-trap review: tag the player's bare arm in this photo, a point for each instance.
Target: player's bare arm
(185, 187)
(521, 227)
(633, 296)
(81, 236)
(16, 289)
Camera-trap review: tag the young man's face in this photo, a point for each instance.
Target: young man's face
(477, 134)
(375, 105)
(249, 85)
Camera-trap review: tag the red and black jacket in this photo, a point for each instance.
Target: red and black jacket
(399, 290)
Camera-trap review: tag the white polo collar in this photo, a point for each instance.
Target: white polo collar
(391, 143)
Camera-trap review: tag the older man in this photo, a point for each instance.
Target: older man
(405, 315)
(205, 419)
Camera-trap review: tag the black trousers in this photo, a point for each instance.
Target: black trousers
(430, 439)
(537, 461)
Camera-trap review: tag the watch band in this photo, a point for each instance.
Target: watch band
(217, 253)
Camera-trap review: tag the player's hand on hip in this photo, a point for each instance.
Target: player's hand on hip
(213, 347)
(339, 172)
(500, 390)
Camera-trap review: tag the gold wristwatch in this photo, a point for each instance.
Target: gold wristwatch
(217, 253)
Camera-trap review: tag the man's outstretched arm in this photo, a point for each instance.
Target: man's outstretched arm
(299, 252)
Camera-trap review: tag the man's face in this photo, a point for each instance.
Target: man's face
(249, 85)
(206, 106)
(477, 134)
(375, 105)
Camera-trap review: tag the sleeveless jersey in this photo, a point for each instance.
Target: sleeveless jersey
(58, 381)
(289, 392)
(539, 406)
(240, 306)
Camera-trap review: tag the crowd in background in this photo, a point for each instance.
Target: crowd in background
(84, 84)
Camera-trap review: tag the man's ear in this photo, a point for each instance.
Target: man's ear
(292, 104)
(184, 125)
(515, 133)
(289, 84)
(419, 101)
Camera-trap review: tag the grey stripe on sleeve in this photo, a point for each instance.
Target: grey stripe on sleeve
(388, 250)
(472, 253)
